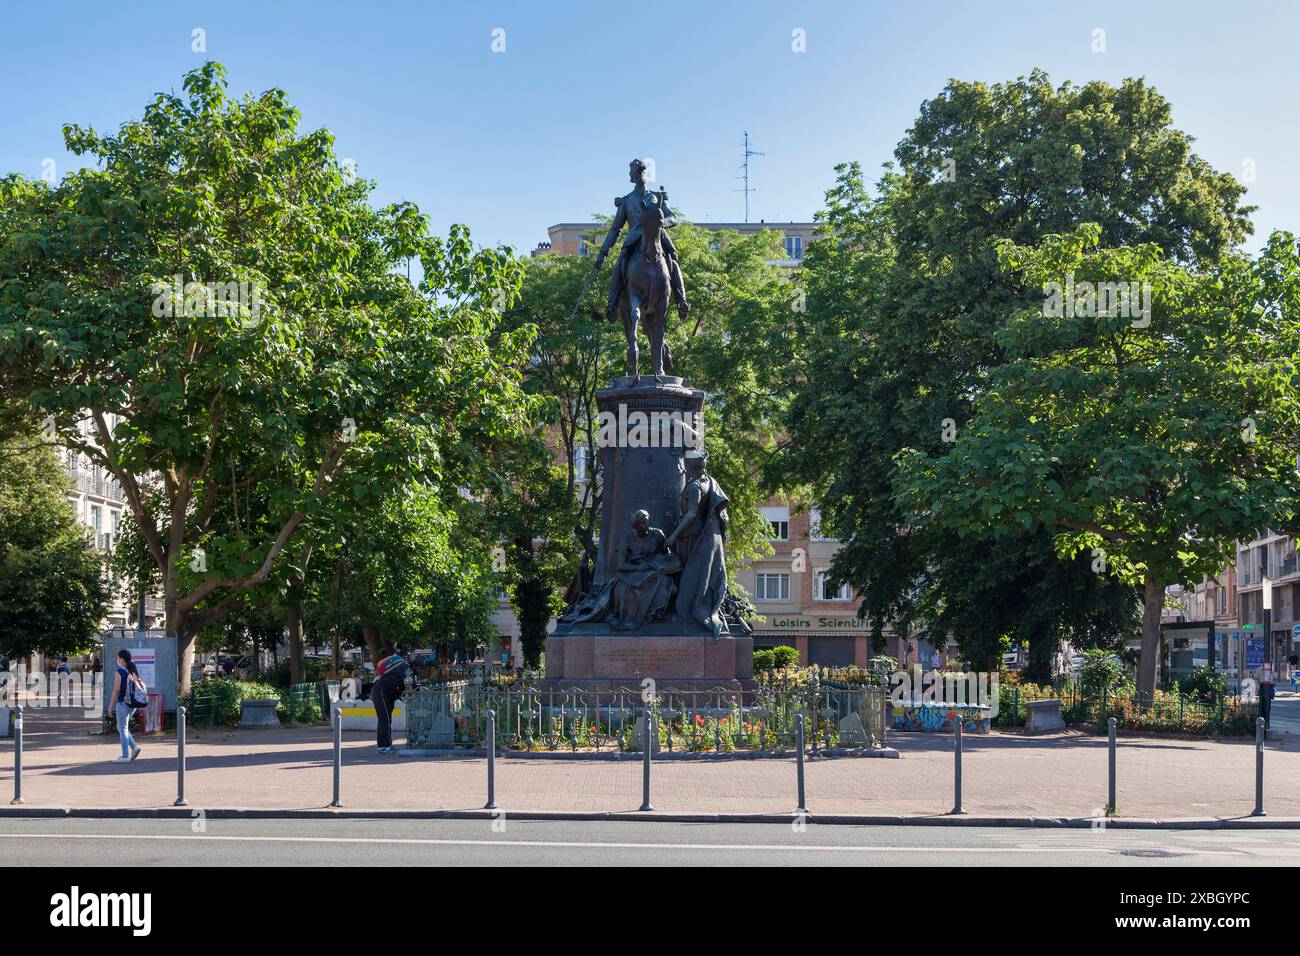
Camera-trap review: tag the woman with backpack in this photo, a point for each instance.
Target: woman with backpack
(390, 682)
(127, 689)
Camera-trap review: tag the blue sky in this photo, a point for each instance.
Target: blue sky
(512, 142)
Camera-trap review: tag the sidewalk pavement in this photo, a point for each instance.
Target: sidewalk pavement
(1062, 775)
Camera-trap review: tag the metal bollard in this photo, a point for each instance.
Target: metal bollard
(18, 755)
(798, 737)
(1112, 725)
(646, 747)
(338, 755)
(1259, 768)
(956, 780)
(491, 760)
(180, 757)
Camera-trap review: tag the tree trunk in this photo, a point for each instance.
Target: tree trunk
(1038, 669)
(1154, 602)
(184, 641)
(372, 642)
(293, 622)
(338, 654)
(257, 653)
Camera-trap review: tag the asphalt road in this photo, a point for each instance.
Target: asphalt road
(73, 842)
(1285, 718)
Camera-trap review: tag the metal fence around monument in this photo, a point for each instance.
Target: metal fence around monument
(1170, 711)
(546, 719)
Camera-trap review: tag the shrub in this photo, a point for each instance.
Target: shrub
(300, 708)
(225, 695)
(315, 670)
(1101, 673)
(762, 660)
(1204, 684)
(784, 656)
(858, 676)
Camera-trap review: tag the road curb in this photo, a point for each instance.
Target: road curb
(832, 819)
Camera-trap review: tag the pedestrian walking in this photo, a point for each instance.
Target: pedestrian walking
(390, 683)
(125, 682)
(62, 677)
(96, 666)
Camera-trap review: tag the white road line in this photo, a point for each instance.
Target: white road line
(574, 844)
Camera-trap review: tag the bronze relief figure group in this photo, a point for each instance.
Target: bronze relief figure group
(659, 575)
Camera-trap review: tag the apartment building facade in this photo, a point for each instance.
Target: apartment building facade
(1213, 599)
(1267, 573)
(99, 504)
(584, 238)
(799, 605)
(1264, 575)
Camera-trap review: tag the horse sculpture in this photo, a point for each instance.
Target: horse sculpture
(646, 293)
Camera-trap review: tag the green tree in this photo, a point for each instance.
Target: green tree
(409, 571)
(53, 593)
(1150, 442)
(259, 391)
(739, 345)
(906, 298)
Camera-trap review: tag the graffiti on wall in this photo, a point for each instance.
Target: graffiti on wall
(942, 718)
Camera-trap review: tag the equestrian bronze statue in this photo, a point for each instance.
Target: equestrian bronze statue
(646, 275)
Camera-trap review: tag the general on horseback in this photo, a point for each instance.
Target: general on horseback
(647, 274)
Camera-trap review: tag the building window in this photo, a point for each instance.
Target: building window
(772, 587)
(580, 459)
(582, 246)
(823, 591)
(778, 520)
(815, 526)
(794, 247)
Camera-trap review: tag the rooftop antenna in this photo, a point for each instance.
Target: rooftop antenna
(745, 173)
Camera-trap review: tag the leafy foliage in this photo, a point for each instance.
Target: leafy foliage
(1151, 444)
(906, 302)
(230, 424)
(53, 594)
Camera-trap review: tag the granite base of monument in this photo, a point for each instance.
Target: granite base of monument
(607, 662)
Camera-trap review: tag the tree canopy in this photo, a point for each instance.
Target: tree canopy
(53, 592)
(906, 302)
(1150, 440)
(218, 297)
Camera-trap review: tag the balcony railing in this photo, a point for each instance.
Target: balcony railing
(87, 484)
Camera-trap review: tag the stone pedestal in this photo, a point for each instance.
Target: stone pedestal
(641, 456)
(647, 427)
(259, 713)
(1043, 716)
(672, 661)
